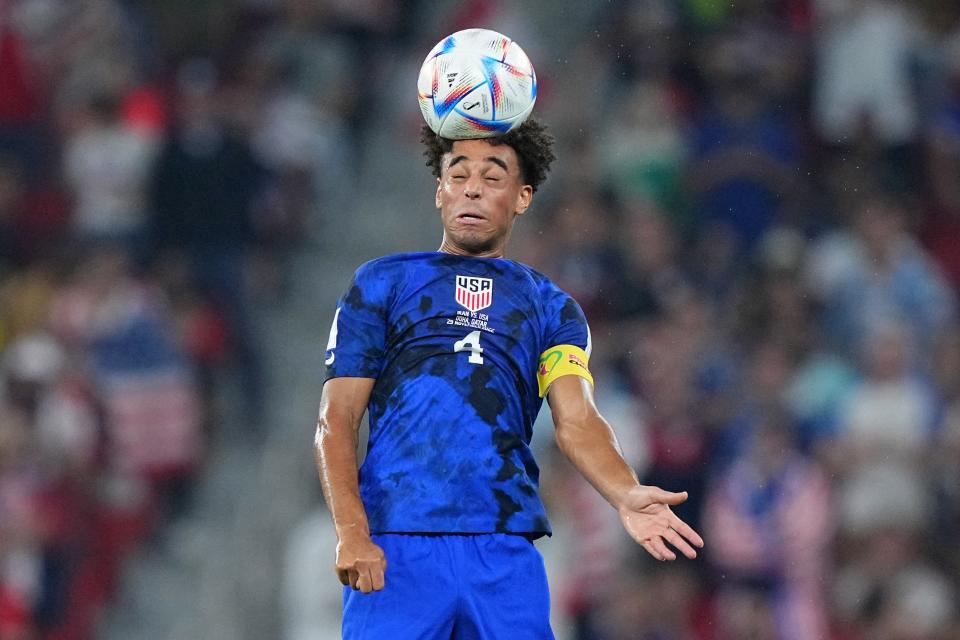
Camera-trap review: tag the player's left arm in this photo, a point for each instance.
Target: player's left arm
(589, 442)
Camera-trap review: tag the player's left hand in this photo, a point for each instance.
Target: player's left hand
(646, 515)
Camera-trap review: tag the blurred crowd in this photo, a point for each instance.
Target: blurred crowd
(757, 203)
(759, 211)
(153, 178)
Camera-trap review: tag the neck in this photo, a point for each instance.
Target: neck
(455, 250)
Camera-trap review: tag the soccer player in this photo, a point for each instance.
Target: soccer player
(452, 353)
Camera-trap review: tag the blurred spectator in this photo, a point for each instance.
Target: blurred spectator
(303, 68)
(200, 327)
(885, 504)
(107, 165)
(886, 589)
(65, 423)
(783, 500)
(816, 395)
(715, 261)
(646, 149)
(577, 249)
(942, 227)
(20, 102)
(49, 432)
(204, 187)
(634, 608)
(679, 369)
(946, 447)
(145, 386)
(644, 33)
(25, 298)
(773, 304)
(864, 91)
(864, 50)
(34, 217)
(889, 418)
(764, 375)
(746, 157)
(11, 194)
(19, 559)
(877, 273)
(652, 278)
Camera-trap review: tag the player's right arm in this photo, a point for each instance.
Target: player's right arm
(360, 563)
(353, 361)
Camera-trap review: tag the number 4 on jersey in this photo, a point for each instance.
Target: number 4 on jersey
(471, 343)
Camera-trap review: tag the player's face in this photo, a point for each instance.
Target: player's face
(479, 193)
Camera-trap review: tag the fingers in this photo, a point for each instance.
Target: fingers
(679, 543)
(686, 531)
(378, 577)
(348, 576)
(364, 578)
(656, 547)
(361, 565)
(371, 578)
(364, 581)
(655, 524)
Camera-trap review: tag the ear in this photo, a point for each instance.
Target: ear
(524, 198)
(436, 196)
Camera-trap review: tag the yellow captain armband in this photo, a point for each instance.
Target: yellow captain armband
(561, 360)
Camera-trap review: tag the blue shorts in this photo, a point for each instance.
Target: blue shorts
(453, 587)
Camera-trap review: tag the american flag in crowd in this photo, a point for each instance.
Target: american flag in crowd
(153, 420)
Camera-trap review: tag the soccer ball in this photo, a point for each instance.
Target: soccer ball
(476, 83)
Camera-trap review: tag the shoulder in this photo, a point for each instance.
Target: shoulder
(535, 279)
(381, 276)
(560, 309)
(370, 286)
(554, 298)
(386, 265)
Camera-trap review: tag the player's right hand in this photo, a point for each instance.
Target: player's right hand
(361, 564)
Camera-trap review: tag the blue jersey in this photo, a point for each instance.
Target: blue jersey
(454, 344)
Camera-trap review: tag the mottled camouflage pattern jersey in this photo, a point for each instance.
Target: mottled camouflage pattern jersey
(453, 343)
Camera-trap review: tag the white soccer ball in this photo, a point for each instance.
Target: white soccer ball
(476, 83)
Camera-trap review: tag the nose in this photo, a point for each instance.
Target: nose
(473, 188)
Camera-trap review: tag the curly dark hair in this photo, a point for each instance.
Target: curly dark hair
(531, 142)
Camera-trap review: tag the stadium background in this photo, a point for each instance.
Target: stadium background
(756, 202)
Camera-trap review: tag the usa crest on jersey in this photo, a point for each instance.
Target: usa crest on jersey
(474, 293)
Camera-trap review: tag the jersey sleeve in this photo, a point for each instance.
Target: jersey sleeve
(357, 339)
(567, 344)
